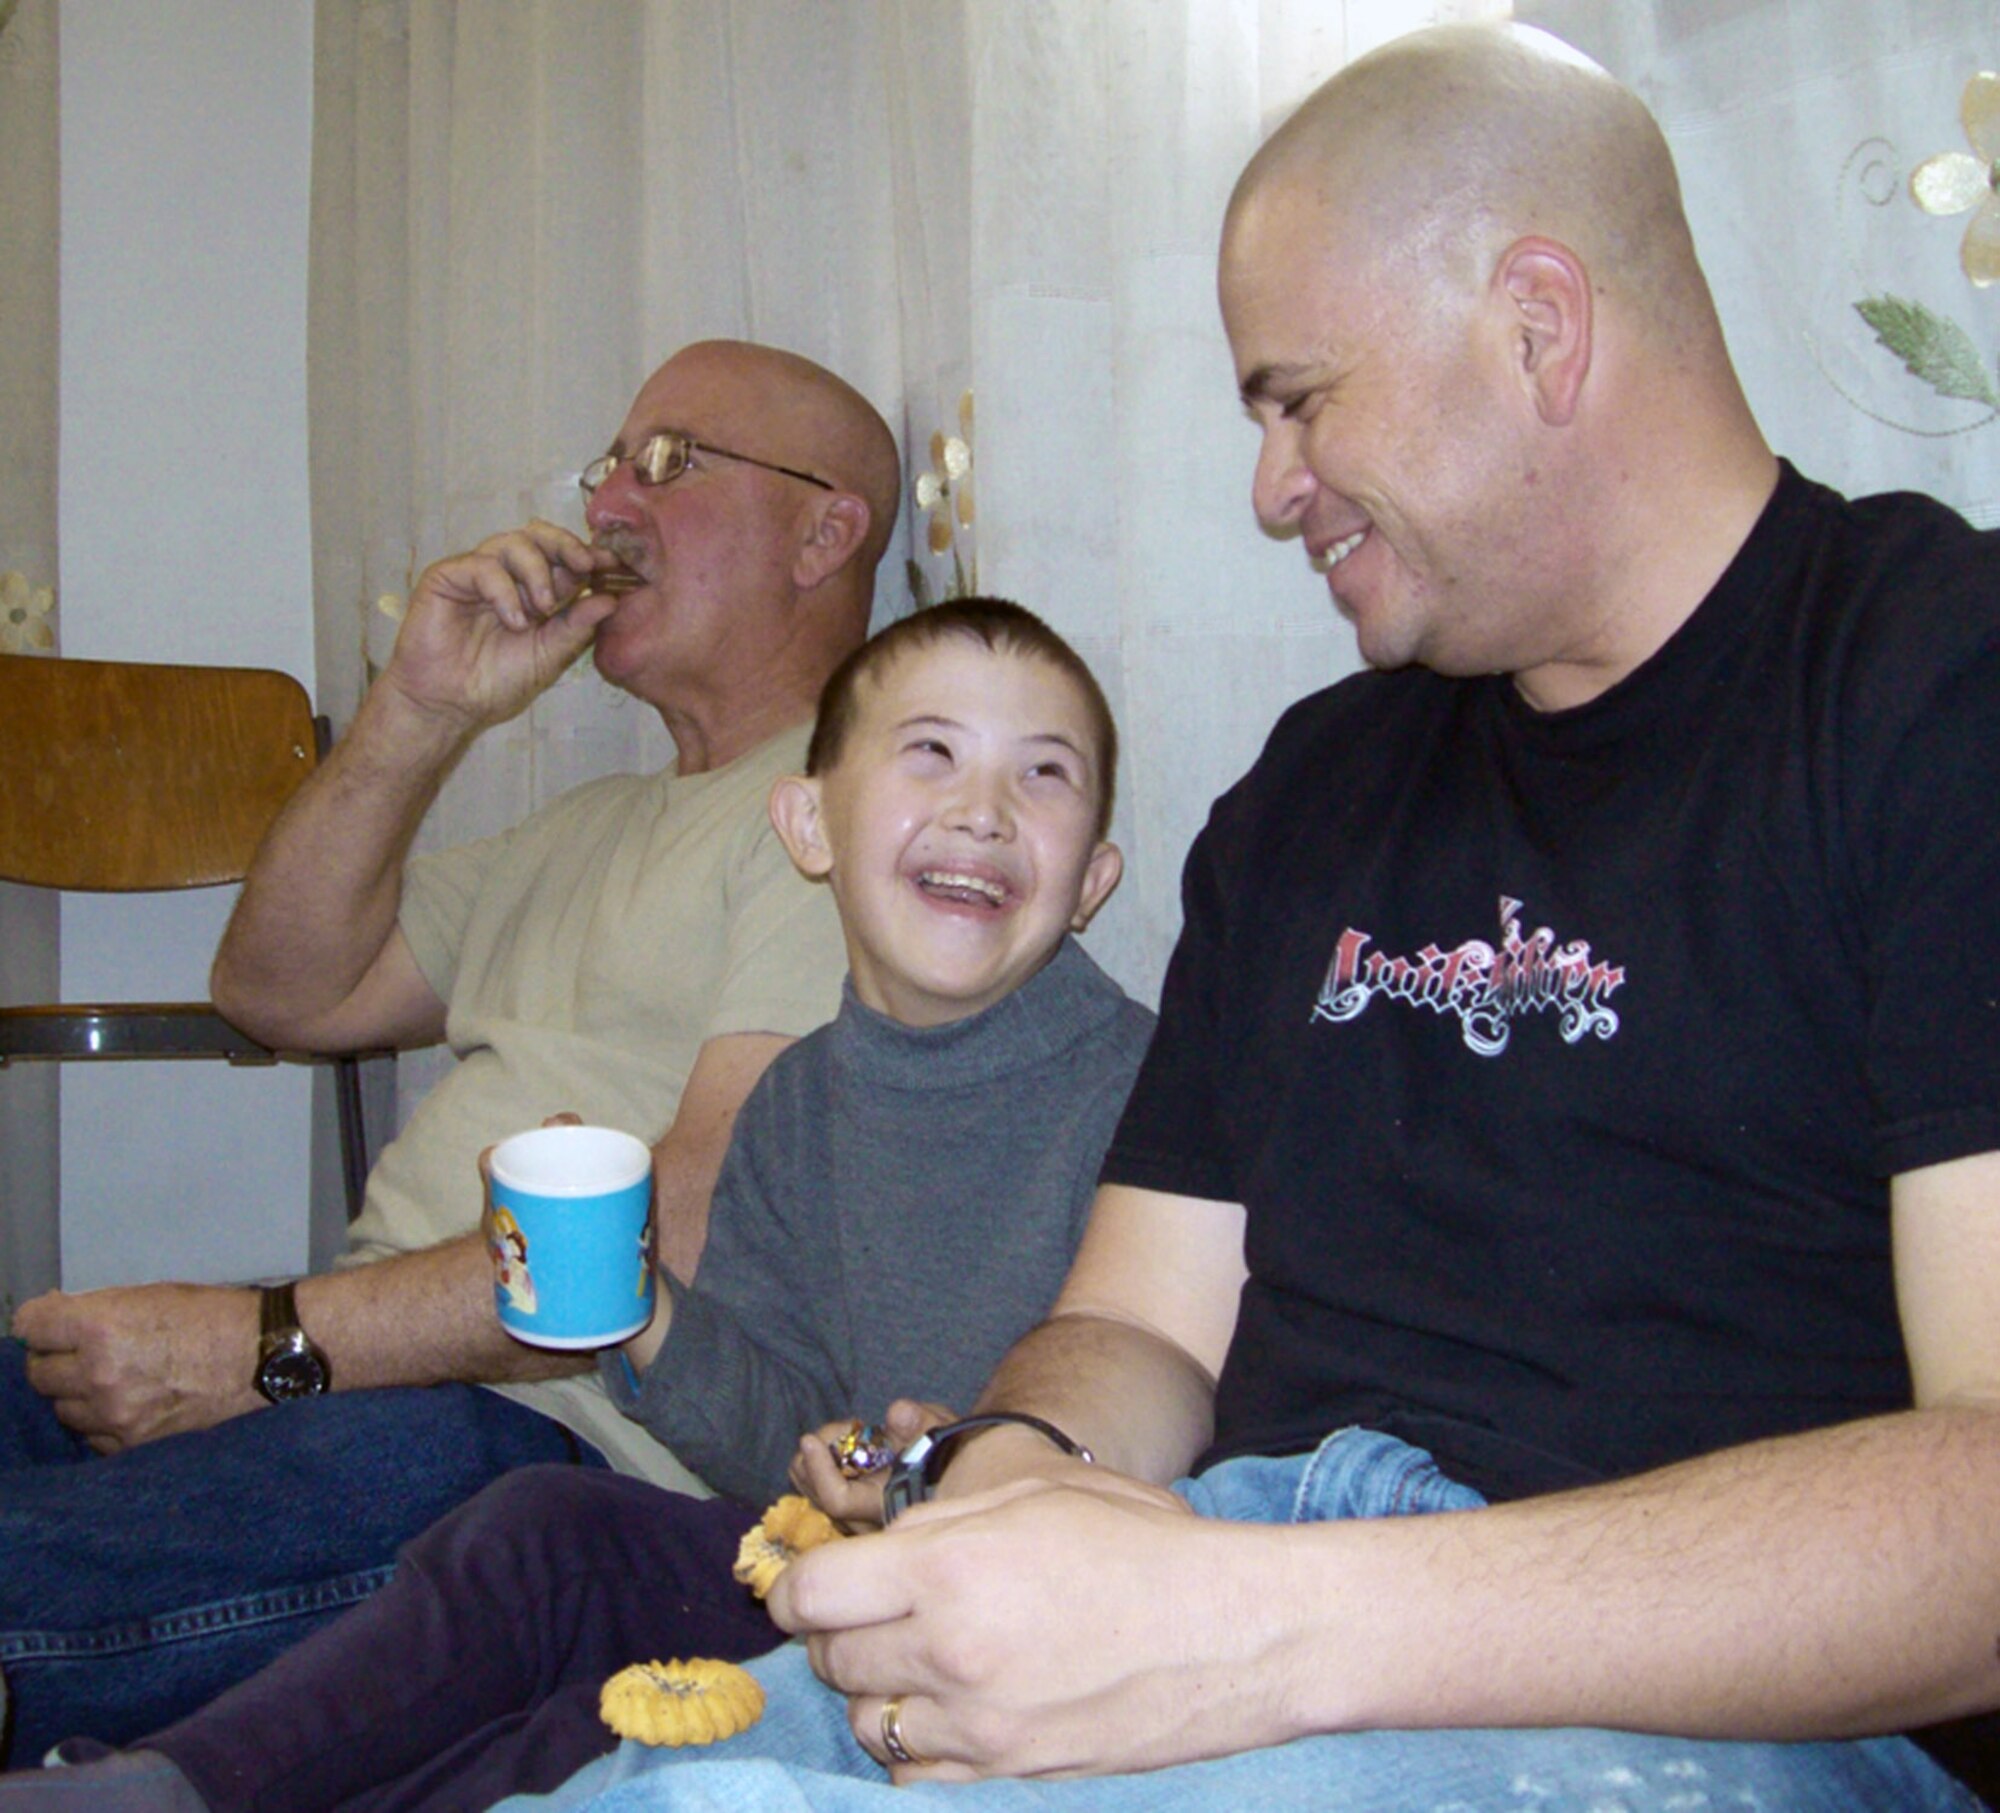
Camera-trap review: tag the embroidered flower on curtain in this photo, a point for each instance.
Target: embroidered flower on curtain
(392, 606)
(1932, 346)
(1954, 181)
(944, 495)
(24, 616)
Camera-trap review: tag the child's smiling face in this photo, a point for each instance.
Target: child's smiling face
(957, 827)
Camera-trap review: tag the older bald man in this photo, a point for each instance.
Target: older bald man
(637, 952)
(1574, 1107)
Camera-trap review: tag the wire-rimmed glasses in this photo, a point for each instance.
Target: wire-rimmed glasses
(662, 457)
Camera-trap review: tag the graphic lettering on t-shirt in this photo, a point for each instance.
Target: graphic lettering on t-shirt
(1485, 986)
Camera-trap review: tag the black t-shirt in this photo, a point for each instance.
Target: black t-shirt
(1561, 1061)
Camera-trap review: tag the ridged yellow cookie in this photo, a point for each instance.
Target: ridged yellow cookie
(789, 1528)
(676, 1703)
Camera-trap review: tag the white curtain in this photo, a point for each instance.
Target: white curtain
(998, 218)
(1796, 126)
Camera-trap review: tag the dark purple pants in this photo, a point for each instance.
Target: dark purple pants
(474, 1673)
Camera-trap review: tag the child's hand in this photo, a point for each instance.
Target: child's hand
(854, 1501)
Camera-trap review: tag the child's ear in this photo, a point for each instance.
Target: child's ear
(795, 816)
(1100, 876)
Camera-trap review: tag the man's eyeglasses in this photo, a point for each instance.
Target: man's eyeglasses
(661, 458)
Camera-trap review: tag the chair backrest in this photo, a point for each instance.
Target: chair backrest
(127, 775)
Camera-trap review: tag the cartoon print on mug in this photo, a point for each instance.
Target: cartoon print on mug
(645, 1256)
(508, 1247)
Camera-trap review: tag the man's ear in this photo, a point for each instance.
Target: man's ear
(839, 527)
(795, 816)
(1545, 291)
(1101, 874)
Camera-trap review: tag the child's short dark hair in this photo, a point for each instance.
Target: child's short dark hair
(998, 623)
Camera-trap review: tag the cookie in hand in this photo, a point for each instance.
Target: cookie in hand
(789, 1528)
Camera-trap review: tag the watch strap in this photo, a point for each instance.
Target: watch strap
(917, 1470)
(280, 1310)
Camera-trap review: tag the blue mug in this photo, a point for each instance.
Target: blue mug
(569, 1229)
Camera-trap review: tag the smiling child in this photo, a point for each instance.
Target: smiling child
(903, 1193)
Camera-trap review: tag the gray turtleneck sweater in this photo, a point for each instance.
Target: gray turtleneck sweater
(898, 1205)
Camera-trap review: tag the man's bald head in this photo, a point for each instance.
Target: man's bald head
(1466, 315)
(816, 421)
(1435, 152)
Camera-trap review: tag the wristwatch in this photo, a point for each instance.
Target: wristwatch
(289, 1365)
(914, 1473)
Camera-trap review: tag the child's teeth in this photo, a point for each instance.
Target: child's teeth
(945, 878)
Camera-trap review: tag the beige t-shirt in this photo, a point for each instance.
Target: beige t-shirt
(585, 957)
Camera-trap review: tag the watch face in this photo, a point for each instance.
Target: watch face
(909, 1482)
(903, 1488)
(291, 1370)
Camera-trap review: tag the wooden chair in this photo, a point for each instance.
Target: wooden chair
(123, 777)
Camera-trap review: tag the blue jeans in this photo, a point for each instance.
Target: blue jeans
(136, 1586)
(801, 1754)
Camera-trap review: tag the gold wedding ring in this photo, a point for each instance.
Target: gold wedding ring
(892, 1735)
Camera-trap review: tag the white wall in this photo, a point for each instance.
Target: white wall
(184, 536)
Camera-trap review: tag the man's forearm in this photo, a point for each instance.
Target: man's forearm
(423, 1318)
(130, 1363)
(1136, 1401)
(320, 902)
(1826, 1585)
